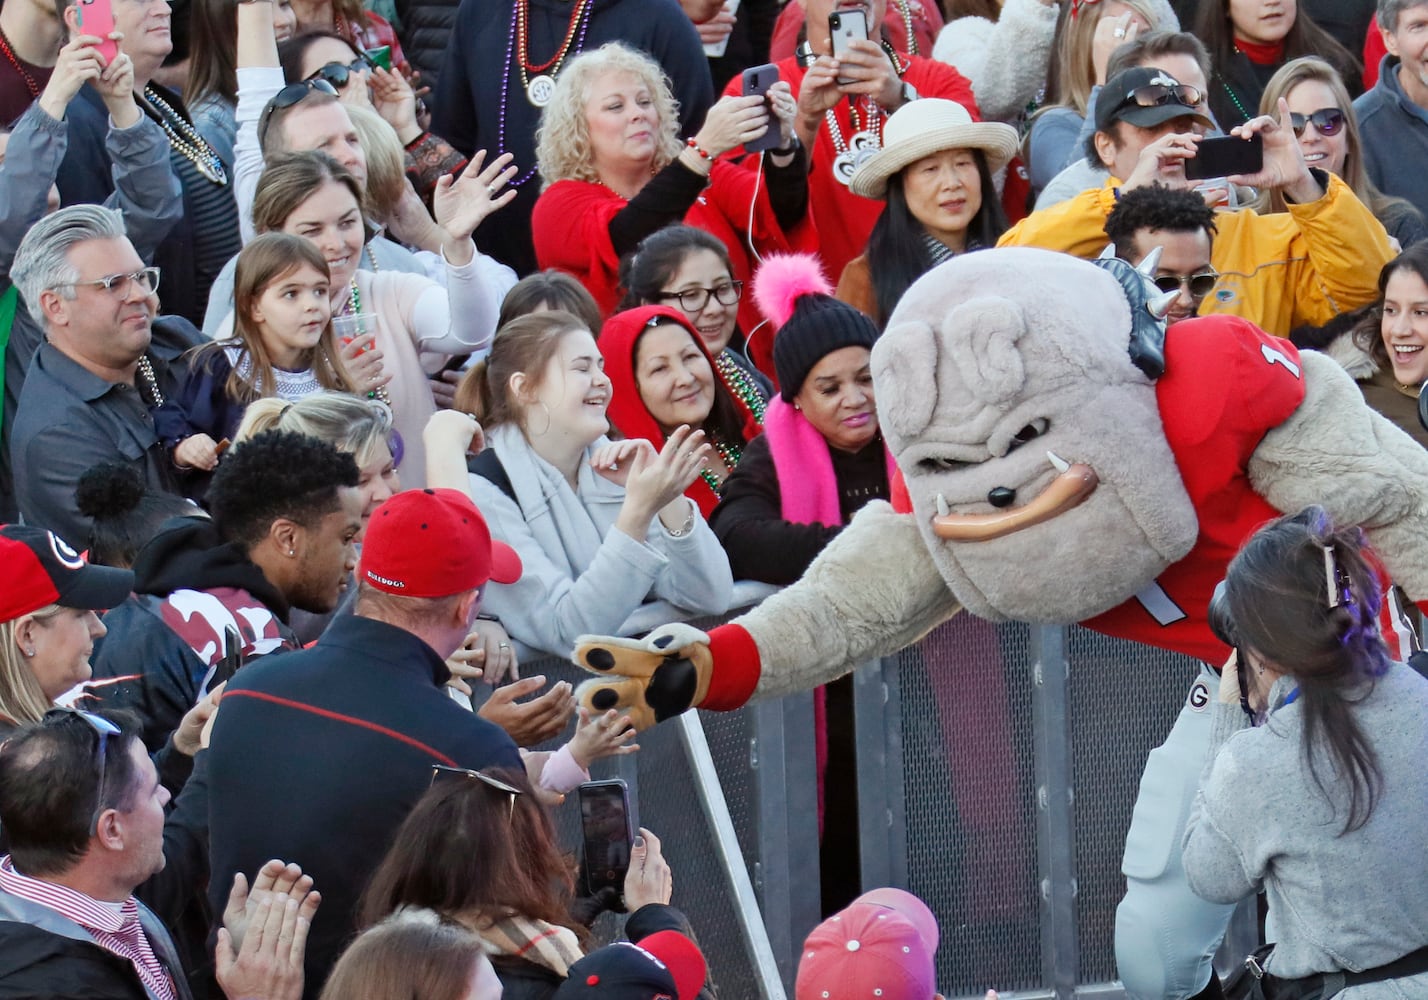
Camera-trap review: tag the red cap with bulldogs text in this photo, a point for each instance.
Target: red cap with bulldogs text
(433, 543)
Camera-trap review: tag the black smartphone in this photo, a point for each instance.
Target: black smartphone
(231, 661)
(844, 26)
(1225, 157)
(757, 81)
(607, 833)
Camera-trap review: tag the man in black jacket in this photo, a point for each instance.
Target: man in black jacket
(319, 755)
(286, 511)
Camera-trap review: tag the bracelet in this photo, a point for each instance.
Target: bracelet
(688, 524)
(703, 153)
(788, 150)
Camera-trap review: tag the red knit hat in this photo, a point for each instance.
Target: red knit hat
(619, 338)
(433, 543)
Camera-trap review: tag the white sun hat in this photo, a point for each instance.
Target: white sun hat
(926, 126)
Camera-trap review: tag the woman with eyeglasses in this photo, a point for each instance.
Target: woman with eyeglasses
(1319, 796)
(663, 376)
(615, 171)
(1322, 114)
(1249, 40)
(689, 269)
(935, 174)
(480, 849)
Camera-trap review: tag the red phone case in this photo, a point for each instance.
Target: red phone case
(96, 17)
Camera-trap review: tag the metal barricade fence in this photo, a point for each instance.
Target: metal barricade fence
(997, 768)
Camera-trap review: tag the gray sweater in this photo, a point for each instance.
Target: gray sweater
(1352, 901)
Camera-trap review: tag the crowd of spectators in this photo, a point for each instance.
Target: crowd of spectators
(608, 317)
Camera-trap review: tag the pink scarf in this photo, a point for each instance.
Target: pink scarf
(808, 489)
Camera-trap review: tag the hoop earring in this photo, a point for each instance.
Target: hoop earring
(546, 430)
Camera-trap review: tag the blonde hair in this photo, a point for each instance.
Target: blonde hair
(351, 425)
(563, 140)
(1313, 69)
(524, 345)
(386, 162)
(22, 700)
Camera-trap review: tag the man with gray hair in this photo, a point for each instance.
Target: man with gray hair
(92, 385)
(1393, 116)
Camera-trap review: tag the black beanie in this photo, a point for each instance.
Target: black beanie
(818, 326)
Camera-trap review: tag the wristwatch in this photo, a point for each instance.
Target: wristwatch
(908, 92)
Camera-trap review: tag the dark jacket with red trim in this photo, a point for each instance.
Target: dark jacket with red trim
(318, 755)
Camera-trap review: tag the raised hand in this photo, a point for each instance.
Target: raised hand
(463, 202)
(607, 734)
(265, 960)
(534, 721)
(78, 62)
(730, 123)
(395, 101)
(1283, 167)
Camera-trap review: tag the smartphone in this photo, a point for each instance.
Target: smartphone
(1225, 157)
(232, 658)
(96, 17)
(607, 833)
(757, 81)
(380, 56)
(843, 27)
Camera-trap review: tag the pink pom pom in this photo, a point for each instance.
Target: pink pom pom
(782, 279)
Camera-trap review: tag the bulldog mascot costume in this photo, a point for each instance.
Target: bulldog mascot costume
(1065, 459)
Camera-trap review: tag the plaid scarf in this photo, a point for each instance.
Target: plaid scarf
(548, 945)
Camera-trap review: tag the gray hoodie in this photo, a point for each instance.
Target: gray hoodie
(1395, 138)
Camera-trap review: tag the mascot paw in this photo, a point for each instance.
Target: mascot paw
(649, 679)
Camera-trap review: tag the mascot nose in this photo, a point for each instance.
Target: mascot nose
(1001, 496)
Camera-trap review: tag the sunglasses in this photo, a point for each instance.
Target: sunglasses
(337, 74)
(1327, 120)
(1199, 285)
(440, 774)
(1155, 95)
(293, 93)
(103, 729)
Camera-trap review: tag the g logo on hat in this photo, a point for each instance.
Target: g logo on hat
(66, 555)
(1199, 696)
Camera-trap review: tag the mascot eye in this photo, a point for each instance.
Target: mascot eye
(1030, 432)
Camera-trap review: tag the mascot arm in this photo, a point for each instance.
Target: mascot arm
(1335, 451)
(872, 591)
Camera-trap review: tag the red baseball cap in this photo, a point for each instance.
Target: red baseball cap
(881, 946)
(433, 543)
(40, 569)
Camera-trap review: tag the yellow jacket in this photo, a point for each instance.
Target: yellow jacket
(1278, 271)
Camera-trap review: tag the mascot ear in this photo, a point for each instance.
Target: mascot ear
(905, 369)
(981, 337)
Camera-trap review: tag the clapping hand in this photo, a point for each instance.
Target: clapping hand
(264, 934)
(653, 483)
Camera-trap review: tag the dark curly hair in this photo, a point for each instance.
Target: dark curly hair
(123, 512)
(1156, 207)
(277, 474)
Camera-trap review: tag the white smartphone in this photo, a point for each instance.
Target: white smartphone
(843, 27)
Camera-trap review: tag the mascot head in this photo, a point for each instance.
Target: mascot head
(1029, 437)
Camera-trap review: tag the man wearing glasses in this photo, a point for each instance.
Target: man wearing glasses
(83, 812)
(93, 384)
(1182, 227)
(1279, 271)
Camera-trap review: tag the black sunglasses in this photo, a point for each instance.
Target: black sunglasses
(1155, 95)
(1327, 120)
(1200, 284)
(441, 774)
(293, 93)
(103, 729)
(338, 74)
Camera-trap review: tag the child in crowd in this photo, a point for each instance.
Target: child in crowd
(283, 346)
(882, 945)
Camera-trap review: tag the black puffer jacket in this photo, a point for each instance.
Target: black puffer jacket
(426, 32)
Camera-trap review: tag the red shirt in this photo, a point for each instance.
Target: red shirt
(843, 219)
(571, 227)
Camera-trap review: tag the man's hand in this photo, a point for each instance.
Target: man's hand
(1284, 167)
(78, 61)
(534, 721)
(871, 73)
(716, 30)
(263, 958)
(489, 647)
(1163, 162)
(700, 11)
(192, 733)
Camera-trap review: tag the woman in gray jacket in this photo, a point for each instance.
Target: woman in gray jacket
(601, 526)
(1323, 804)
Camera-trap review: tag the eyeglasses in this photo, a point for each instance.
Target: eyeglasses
(1199, 285)
(120, 285)
(441, 774)
(103, 729)
(1327, 120)
(293, 93)
(695, 299)
(1155, 95)
(338, 74)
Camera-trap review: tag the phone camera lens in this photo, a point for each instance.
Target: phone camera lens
(835, 21)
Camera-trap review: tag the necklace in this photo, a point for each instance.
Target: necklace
(14, 60)
(540, 87)
(730, 454)
(506, 93)
(147, 380)
(1234, 99)
(353, 307)
(740, 384)
(864, 142)
(905, 9)
(184, 138)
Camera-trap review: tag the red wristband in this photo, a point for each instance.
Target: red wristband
(735, 671)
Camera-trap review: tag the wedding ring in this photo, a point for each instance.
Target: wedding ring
(491, 189)
(503, 645)
(1120, 32)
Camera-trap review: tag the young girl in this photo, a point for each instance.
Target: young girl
(283, 347)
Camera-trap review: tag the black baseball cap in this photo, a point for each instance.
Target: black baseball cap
(1146, 97)
(39, 569)
(665, 965)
